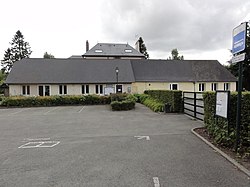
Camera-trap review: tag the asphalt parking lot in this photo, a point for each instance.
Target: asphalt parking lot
(93, 146)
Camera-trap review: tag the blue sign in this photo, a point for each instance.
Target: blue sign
(239, 38)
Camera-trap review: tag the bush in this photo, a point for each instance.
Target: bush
(172, 97)
(153, 104)
(122, 102)
(219, 129)
(122, 105)
(20, 101)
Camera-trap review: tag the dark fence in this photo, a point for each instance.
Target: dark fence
(193, 104)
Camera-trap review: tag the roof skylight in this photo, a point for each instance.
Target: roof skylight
(128, 50)
(98, 51)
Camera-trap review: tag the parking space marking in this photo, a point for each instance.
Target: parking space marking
(44, 144)
(156, 182)
(142, 137)
(22, 110)
(50, 111)
(36, 139)
(81, 109)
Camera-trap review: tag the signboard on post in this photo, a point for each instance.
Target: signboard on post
(222, 102)
(239, 38)
(238, 58)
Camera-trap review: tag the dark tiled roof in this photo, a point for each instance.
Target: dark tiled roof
(54, 71)
(181, 71)
(113, 50)
(79, 71)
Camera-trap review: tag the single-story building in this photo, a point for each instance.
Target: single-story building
(75, 76)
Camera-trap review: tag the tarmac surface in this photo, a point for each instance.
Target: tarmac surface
(93, 146)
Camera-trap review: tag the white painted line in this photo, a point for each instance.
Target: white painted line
(142, 137)
(81, 109)
(28, 145)
(50, 111)
(22, 110)
(39, 144)
(156, 182)
(36, 139)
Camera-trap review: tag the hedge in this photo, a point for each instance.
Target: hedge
(172, 97)
(219, 130)
(122, 102)
(21, 101)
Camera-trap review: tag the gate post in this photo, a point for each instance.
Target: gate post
(195, 105)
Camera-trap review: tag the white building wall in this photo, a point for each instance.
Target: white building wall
(72, 89)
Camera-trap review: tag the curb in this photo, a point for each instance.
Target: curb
(234, 162)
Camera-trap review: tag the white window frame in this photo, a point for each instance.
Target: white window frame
(171, 86)
(98, 89)
(227, 86)
(85, 89)
(26, 90)
(202, 87)
(44, 89)
(63, 89)
(214, 86)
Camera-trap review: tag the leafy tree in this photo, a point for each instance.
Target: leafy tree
(47, 55)
(143, 48)
(19, 49)
(2, 77)
(175, 55)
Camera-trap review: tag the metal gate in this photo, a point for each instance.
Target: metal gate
(194, 105)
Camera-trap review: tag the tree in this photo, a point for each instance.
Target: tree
(47, 55)
(19, 49)
(175, 55)
(142, 48)
(2, 77)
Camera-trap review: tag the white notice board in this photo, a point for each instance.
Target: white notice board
(222, 102)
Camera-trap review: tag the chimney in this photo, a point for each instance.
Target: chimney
(87, 45)
(137, 45)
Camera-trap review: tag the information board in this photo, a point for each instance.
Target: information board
(239, 38)
(222, 102)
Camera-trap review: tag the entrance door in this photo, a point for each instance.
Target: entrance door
(118, 88)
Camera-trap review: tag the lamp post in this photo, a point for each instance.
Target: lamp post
(117, 72)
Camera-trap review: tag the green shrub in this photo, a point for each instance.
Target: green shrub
(219, 129)
(118, 97)
(20, 101)
(172, 97)
(153, 104)
(122, 105)
(140, 98)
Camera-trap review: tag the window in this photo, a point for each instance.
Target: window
(226, 86)
(98, 51)
(201, 87)
(26, 90)
(99, 89)
(214, 86)
(47, 91)
(96, 89)
(85, 89)
(44, 90)
(174, 86)
(40, 90)
(63, 89)
(128, 50)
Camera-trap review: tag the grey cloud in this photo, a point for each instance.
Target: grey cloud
(164, 25)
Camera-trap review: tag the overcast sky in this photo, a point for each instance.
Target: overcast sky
(199, 29)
